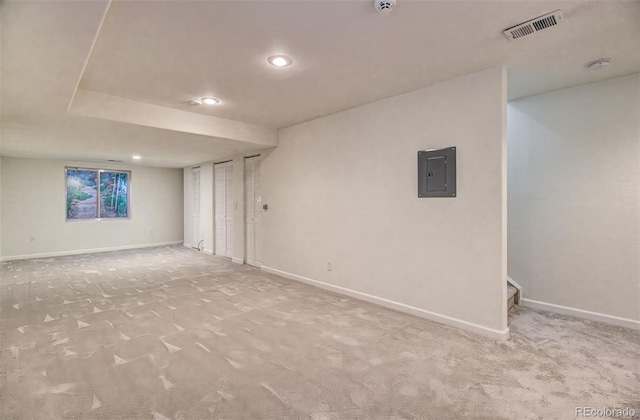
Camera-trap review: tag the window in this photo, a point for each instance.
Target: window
(97, 194)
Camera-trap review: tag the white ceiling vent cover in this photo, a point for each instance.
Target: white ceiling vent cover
(534, 25)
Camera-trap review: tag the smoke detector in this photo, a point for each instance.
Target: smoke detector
(384, 6)
(598, 64)
(534, 25)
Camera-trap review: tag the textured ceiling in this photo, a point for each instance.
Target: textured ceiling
(345, 54)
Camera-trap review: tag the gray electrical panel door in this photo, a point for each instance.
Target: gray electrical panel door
(437, 173)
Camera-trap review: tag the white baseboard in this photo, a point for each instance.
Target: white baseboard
(86, 251)
(237, 260)
(400, 307)
(186, 245)
(581, 313)
(208, 251)
(254, 263)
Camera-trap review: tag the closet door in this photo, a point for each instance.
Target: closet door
(195, 207)
(258, 211)
(229, 208)
(223, 174)
(253, 214)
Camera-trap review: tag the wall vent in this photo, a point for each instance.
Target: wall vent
(534, 25)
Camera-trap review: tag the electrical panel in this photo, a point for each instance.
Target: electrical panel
(437, 173)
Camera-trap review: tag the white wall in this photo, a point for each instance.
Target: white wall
(574, 197)
(343, 189)
(33, 203)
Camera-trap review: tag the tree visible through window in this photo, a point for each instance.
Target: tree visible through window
(97, 194)
(114, 187)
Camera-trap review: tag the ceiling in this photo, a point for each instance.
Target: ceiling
(165, 53)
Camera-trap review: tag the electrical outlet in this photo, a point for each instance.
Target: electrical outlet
(32, 238)
(329, 266)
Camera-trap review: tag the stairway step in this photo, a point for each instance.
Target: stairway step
(511, 296)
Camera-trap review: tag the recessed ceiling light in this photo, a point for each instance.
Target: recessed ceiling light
(195, 102)
(598, 64)
(280, 60)
(136, 157)
(210, 101)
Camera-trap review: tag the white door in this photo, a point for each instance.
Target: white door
(195, 207)
(224, 208)
(228, 177)
(253, 214)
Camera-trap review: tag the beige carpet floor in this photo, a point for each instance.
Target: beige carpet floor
(167, 333)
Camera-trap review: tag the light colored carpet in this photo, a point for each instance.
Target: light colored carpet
(167, 333)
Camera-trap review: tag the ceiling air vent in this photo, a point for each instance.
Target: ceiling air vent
(534, 25)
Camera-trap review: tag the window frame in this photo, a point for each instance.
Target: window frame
(99, 171)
